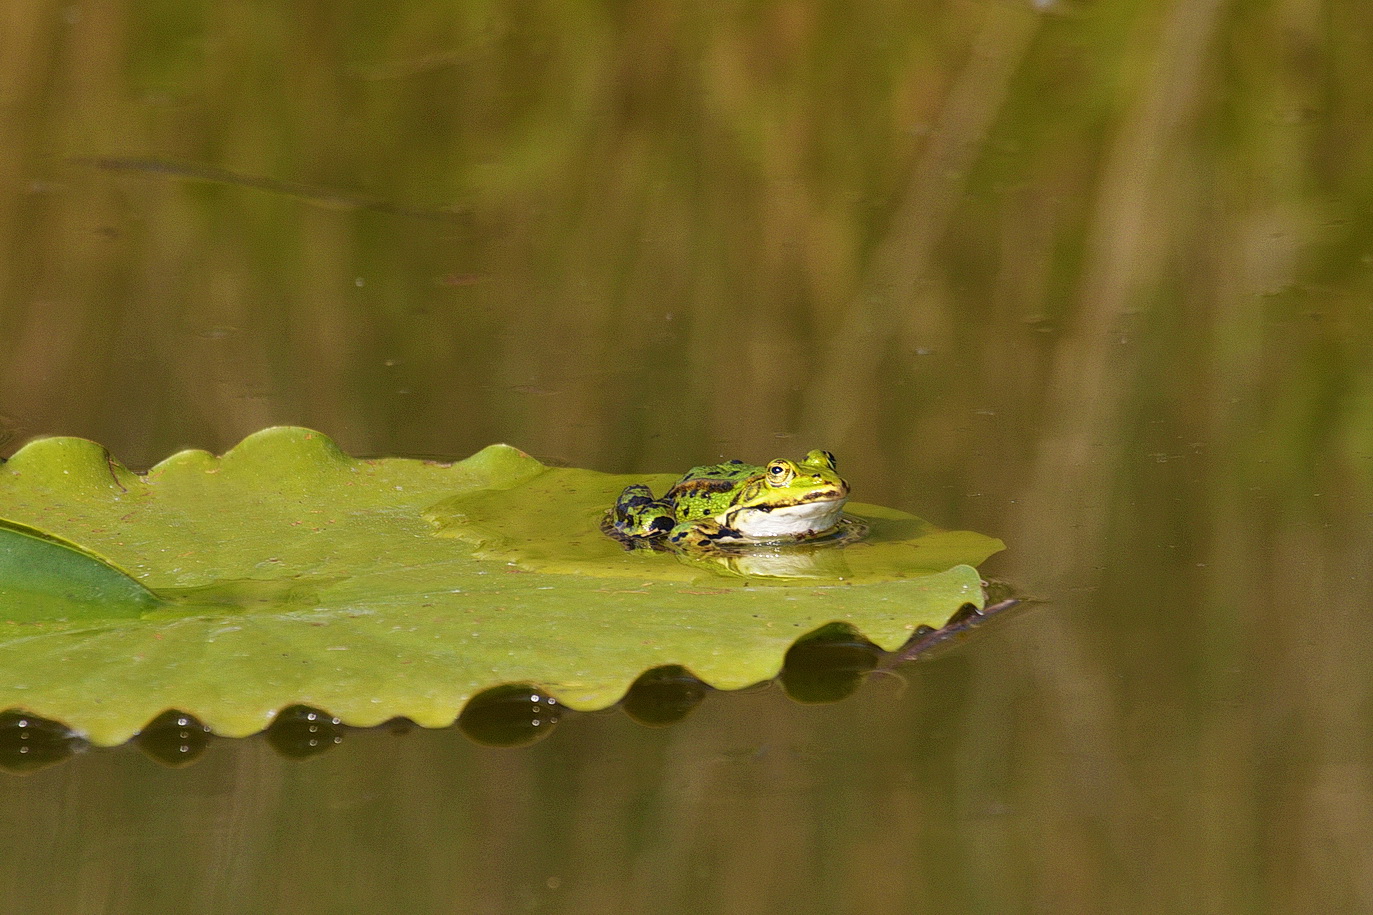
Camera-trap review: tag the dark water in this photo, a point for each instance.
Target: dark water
(1095, 278)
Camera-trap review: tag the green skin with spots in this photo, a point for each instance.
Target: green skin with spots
(735, 502)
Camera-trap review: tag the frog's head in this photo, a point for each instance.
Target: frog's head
(789, 499)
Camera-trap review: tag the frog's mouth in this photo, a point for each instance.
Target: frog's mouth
(786, 522)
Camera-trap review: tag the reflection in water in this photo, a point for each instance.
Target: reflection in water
(318, 196)
(823, 561)
(927, 642)
(1096, 280)
(29, 743)
(174, 739)
(300, 732)
(663, 696)
(828, 665)
(510, 716)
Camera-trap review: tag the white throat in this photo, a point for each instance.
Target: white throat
(787, 521)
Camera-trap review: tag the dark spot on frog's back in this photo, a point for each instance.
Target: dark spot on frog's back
(700, 486)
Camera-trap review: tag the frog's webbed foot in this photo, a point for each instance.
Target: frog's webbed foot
(638, 514)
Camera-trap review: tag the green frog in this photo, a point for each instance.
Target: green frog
(734, 503)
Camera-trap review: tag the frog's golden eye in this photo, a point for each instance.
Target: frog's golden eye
(780, 473)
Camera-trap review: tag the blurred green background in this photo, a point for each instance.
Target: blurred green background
(1094, 277)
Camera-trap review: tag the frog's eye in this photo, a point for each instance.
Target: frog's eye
(779, 473)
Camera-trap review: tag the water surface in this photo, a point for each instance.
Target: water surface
(1093, 278)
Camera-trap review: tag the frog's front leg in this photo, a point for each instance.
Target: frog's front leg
(701, 534)
(638, 514)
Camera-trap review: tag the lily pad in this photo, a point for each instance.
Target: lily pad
(286, 573)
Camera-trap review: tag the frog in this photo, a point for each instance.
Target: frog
(734, 503)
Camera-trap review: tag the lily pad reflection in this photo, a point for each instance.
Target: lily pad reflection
(300, 732)
(29, 743)
(829, 665)
(174, 739)
(510, 716)
(663, 696)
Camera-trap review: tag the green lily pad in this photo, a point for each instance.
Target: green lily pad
(287, 573)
